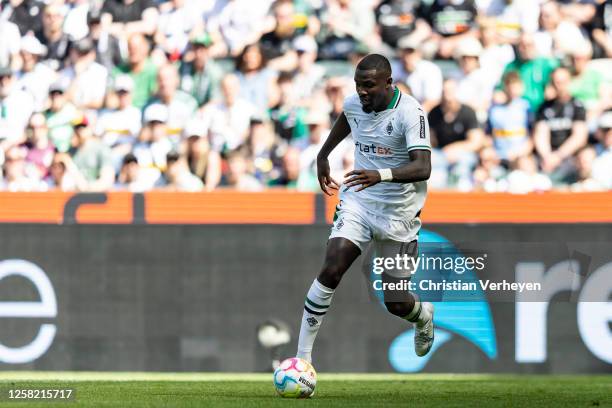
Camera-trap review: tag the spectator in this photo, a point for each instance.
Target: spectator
(475, 86)
(201, 77)
(59, 116)
(238, 22)
(582, 177)
(308, 76)
(511, 17)
(118, 128)
(603, 162)
(290, 170)
(134, 178)
(456, 138)
(87, 78)
(231, 117)
(444, 24)
(336, 90)
(176, 22)
(495, 54)
(581, 12)
(75, 23)
(588, 84)
(239, 174)
(202, 160)
(257, 82)
(277, 45)
(64, 175)
(16, 106)
(107, 46)
(26, 14)
(153, 144)
(288, 116)
(180, 105)
(534, 71)
(52, 36)
(40, 150)
(15, 175)
(525, 177)
(9, 44)
(318, 124)
(148, 109)
(396, 19)
(423, 77)
(560, 129)
(556, 35)
(265, 149)
(510, 122)
(177, 176)
(489, 175)
(35, 77)
(92, 157)
(344, 25)
(319, 127)
(601, 33)
(140, 68)
(127, 17)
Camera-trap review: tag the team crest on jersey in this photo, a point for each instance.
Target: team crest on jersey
(339, 224)
(389, 128)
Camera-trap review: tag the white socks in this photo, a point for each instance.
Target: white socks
(419, 314)
(317, 302)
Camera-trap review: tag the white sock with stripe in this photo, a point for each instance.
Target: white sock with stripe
(317, 302)
(419, 315)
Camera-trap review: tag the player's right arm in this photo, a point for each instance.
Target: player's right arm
(338, 133)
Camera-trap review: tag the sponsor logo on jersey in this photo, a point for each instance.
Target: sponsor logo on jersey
(422, 129)
(373, 149)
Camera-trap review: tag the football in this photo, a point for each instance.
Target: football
(295, 378)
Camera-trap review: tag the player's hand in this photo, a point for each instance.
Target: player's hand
(364, 178)
(325, 180)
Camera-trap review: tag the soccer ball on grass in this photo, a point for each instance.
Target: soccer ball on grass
(295, 378)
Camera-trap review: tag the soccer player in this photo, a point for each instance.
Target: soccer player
(380, 200)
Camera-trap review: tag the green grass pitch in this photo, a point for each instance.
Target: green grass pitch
(333, 390)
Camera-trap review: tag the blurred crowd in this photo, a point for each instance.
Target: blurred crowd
(198, 95)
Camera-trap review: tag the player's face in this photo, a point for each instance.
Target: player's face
(372, 88)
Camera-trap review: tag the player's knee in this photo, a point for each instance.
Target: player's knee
(400, 309)
(331, 275)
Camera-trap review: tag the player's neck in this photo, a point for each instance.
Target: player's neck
(390, 99)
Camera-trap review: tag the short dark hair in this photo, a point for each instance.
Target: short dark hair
(172, 157)
(375, 61)
(130, 158)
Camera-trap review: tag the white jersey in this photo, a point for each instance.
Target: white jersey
(384, 140)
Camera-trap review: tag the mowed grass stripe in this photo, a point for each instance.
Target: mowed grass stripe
(7, 376)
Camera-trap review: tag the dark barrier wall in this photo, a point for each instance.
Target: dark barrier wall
(189, 298)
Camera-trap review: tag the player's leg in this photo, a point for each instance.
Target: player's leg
(403, 303)
(349, 235)
(340, 254)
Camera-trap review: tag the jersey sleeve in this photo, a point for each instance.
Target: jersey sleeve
(417, 130)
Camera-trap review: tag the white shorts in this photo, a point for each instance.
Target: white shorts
(362, 227)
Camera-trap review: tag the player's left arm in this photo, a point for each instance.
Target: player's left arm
(418, 169)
